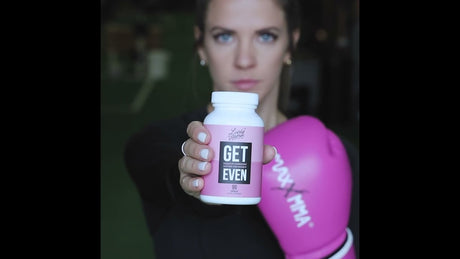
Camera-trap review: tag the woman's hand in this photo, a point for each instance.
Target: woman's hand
(199, 154)
(196, 161)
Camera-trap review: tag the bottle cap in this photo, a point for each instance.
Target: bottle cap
(228, 97)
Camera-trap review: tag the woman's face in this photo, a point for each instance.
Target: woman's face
(245, 45)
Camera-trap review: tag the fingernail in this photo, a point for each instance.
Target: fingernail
(196, 183)
(204, 153)
(202, 136)
(202, 165)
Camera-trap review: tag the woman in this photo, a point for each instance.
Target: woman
(246, 46)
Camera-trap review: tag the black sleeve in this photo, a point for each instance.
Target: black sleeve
(151, 158)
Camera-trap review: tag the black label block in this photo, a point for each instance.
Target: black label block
(235, 162)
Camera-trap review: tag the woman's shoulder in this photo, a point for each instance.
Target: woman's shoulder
(178, 122)
(166, 128)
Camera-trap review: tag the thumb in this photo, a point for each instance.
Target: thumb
(269, 154)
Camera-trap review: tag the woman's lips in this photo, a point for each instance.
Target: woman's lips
(245, 84)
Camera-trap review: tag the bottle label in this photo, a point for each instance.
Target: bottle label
(236, 169)
(235, 162)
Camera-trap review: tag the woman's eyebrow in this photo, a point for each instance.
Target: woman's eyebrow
(271, 29)
(219, 28)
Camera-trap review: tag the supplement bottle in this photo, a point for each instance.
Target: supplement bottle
(237, 134)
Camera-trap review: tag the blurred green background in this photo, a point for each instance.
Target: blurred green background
(148, 60)
(123, 229)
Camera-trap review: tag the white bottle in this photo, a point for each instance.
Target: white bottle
(237, 134)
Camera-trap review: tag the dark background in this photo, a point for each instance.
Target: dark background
(135, 33)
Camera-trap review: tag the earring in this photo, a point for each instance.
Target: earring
(202, 62)
(288, 62)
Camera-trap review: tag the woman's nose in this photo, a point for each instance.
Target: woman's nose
(245, 55)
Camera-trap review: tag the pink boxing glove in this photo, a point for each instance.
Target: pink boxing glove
(306, 190)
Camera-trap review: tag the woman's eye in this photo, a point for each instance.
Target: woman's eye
(223, 37)
(267, 37)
